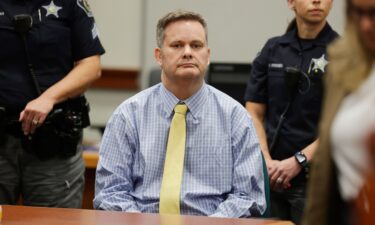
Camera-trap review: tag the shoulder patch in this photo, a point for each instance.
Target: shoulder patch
(84, 5)
(94, 31)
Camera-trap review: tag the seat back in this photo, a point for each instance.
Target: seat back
(230, 78)
(154, 77)
(267, 213)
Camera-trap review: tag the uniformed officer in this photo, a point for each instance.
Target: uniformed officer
(50, 53)
(284, 96)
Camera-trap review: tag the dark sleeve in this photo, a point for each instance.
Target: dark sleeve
(256, 90)
(85, 36)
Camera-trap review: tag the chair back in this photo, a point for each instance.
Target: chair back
(267, 213)
(154, 77)
(230, 78)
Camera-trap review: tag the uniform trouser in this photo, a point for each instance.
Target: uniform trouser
(288, 204)
(56, 182)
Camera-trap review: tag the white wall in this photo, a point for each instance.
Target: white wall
(237, 30)
(120, 27)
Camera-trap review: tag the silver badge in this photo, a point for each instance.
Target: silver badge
(52, 9)
(318, 64)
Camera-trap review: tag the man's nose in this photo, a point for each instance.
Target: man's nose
(316, 1)
(187, 52)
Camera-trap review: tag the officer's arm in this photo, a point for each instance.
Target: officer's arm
(73, 84)
(76, 81)
(309, 151)
(289, 168)
(257, 112)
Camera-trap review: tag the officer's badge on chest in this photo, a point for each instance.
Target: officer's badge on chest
(52, 9)
(317, 65)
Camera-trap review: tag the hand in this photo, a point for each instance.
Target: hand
(285, 171)
(34, 114)
(271, 166)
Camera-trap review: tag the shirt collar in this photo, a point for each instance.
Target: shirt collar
(323, 38)
(194, 102)
(168, 99)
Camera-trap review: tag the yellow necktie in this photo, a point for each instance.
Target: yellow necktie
(174, 163)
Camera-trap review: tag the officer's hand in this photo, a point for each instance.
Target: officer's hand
(273, 172)
(286, 170)
(271, 166)
(35, 114)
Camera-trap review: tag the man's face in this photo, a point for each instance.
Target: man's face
(311, 11)
(363, 14)
(185, 53)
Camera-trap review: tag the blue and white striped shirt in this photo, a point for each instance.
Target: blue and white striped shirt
(222, 175)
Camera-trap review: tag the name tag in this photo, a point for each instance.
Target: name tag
(276, 65)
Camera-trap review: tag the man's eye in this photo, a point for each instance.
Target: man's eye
(196, 46)
(176, 46)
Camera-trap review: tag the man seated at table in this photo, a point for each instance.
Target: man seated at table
(181, 146)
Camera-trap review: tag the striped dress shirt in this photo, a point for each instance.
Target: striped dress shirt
(222, 173)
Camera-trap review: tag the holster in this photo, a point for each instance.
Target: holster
(61, 132)
(48, 141)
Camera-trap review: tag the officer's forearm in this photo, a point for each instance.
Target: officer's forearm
(76, 81)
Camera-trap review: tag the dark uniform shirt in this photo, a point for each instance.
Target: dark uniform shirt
(62, 32)
(267, 85)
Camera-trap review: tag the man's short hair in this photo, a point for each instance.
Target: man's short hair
(173, 17)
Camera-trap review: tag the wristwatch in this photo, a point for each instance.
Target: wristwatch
(301, 159)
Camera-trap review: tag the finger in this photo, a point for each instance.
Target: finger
(42, 119)
(273, 180)
(25, 116)
(280, 182)
(271, 171)
(27, 122)
(286, 183)
(34, 125)
(35, 122)
(276, 174)
(22, 115)
(26, 126)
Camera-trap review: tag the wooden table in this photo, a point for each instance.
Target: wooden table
(26, 215)
(91, 159)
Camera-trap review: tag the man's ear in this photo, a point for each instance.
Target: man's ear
(157, 55)
(209, 56)
(291, 4)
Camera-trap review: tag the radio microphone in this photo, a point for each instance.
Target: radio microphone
(291, 77)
